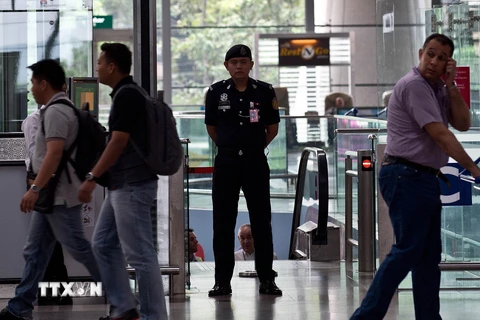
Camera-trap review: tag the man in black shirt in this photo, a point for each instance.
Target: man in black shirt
(241, 115)
(124, 227)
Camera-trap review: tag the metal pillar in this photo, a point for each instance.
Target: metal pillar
(166, 51)
(145, 44)
(310, 16)
(348, 209)
(177, 225)
(366, 215)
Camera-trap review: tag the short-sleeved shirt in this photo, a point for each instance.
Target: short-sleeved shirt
(29, 128)
(415, 103)
(59, 122)
(128, 114)
(230, 111)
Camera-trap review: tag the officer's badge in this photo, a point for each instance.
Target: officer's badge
(243, 51)
(275, 103)
(223, 97)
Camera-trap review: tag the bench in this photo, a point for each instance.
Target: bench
(166, 271)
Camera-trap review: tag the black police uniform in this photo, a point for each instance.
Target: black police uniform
(241, 163)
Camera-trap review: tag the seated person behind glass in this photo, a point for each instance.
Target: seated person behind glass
(193, 245)
(248, 248)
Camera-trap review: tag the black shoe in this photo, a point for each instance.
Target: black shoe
(220, 290)
(7, 315)
(64, 301)
(53, 301)
(269, 287)
(131, 314)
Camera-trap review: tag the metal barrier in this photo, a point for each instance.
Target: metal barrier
(386, 237)
(320, 236)
(366, 209)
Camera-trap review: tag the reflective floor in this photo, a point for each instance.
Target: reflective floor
(311, 290)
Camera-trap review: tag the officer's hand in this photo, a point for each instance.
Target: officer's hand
(450, 72)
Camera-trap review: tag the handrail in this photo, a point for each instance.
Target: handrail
(360, 130)
(322, 171)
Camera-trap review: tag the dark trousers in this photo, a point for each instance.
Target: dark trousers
(413, 199)
(252, 174)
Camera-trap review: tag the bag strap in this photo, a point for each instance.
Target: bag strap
(66, 155)
(146, 96)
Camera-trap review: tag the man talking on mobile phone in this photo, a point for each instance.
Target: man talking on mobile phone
(418, 145)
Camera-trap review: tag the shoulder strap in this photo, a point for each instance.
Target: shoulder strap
(146, 95)
(66, 153)
(131, 86)
(59, 101)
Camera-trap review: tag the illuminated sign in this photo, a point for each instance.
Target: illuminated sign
(103, 22)
(304, 52)
(367, 164)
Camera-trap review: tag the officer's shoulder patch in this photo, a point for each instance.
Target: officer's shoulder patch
(219, 84)
(264, 84)
(275, 103)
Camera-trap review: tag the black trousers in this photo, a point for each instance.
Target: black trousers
(252, 174)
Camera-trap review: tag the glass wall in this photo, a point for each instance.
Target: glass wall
(202, 32)
(34, 30)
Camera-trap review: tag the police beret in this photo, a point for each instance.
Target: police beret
(238, 51)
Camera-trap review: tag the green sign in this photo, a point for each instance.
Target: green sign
(103, 22)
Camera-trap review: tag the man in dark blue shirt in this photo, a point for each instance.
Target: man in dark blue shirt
(242, 118)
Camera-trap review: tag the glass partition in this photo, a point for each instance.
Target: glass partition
(30, 32)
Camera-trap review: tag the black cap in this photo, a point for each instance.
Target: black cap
(238, 51)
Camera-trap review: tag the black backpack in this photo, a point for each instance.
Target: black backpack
(90, 143)
(164, 149)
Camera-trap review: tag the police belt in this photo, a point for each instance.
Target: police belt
(388, 159)
(241, 152)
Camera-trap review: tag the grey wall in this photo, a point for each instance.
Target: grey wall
(378, 59)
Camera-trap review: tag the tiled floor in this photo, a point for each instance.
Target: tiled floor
(312, 290)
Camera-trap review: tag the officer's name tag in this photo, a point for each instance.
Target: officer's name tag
(253, 115)
(224, 107)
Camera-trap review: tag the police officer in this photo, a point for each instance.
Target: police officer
(241, 115)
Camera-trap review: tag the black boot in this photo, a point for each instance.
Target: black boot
(269, 287)
(220, 289)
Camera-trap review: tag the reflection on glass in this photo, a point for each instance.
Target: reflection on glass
(29, 36)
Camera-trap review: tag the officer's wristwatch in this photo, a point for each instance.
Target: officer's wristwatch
(90, 177)
(34, 188)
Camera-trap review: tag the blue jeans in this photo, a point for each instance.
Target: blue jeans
(413, 199)
(63, 225)
(124, 232)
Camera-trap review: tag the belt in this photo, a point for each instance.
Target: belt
(388, 159)
(241, 152)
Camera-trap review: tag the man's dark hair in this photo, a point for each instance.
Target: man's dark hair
(119, 55)
(190, 230)
(443, 39)
(49, 70)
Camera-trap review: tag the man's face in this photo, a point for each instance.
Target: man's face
(433, 60)
(104, 69)
(339, 103)
(246, 240)
(239, 68)
(38, 90)
(193, 243)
